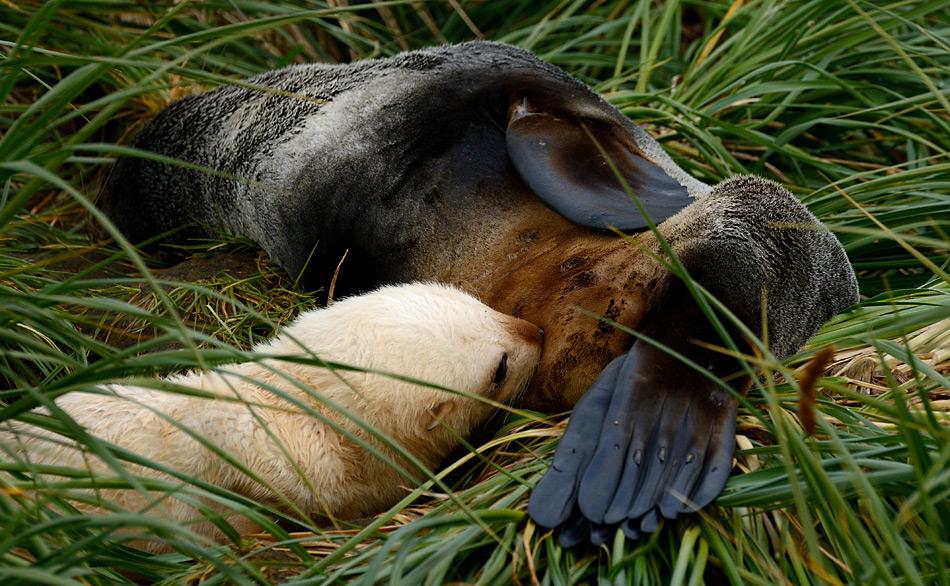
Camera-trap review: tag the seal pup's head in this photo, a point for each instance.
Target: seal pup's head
(423, 333)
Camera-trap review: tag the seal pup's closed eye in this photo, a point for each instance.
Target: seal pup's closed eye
(426, 332)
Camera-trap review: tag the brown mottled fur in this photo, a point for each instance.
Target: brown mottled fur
(544, 269)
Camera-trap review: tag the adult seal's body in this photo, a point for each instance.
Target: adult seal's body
(482, 166)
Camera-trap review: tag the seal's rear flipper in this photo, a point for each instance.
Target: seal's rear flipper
(555, 156)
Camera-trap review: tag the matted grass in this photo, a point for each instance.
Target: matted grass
(846, 103)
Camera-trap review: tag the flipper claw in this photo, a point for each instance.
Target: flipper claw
(718, 460)
(575, 531)
(599, 534)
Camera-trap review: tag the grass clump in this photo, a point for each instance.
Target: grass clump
(843, 102)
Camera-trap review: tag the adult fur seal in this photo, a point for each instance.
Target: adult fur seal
(428, 332)
(476, 164)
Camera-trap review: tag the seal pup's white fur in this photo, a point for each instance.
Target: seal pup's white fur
(429, 332)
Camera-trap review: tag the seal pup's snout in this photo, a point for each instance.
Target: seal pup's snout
(522, 353)
(526, 330)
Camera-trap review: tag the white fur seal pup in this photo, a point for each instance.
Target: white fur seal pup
(428, 332)
(475, 164)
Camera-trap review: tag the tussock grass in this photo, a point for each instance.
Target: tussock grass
(846, 103)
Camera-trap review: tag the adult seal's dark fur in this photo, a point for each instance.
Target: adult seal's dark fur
(480, 165)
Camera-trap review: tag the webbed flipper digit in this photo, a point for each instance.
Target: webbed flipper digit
(575, 531)
(599, 482)
(599, 534)
(631, 529)
(554, 497)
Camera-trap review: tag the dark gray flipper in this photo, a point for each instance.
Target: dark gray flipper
(653, 437)
(553, 499)
(574, 532)
(669, 432)
(557, 158)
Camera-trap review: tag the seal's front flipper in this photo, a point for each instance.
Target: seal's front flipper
(668, 437)
(554, 154)
(553, 498)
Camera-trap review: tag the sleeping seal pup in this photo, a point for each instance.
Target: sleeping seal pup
(480, 165)
(282, 420)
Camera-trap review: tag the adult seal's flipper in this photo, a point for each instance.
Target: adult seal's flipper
(677, 454)
(553, 499)
(557, 156)
(575, 531)
(656, 443)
